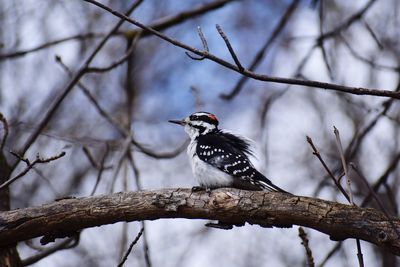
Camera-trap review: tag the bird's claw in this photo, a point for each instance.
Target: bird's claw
(201, 188)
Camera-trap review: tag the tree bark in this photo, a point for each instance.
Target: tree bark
(9, 256)
(228, 206)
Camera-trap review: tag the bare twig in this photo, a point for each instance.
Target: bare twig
(117, 126)
(131, 247)
(205, 45)
(346, 174)
(90, 157)
(146, 245)
(264, 49)
(169, 21)
(347, 23)
(120, 61)
(5, 128)
(120, 160)
(304, 242)
(230, 48)
(23, 52)
(93, 100)
(245, 72)
(342, 157)
(318, 155)
(371, 63)
(161, 155)
(373, 35)
(320, 41)
(359, 253)
(101, 170)
(332, 252)
(30, 165)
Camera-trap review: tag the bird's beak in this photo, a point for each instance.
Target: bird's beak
(180, 122)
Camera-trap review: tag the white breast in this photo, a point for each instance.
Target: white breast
(205, 174)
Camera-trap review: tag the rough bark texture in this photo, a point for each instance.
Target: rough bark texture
(229, 206)
(9, 256)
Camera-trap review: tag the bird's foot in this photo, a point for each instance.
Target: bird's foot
(201, 188)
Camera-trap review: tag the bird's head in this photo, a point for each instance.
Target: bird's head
(199, 123)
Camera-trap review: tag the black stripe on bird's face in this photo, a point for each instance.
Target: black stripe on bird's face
(198, 127)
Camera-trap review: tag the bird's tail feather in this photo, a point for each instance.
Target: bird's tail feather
(266, 184)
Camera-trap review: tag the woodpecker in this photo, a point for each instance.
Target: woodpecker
(220, 158)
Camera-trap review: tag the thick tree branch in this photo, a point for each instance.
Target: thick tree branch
(229, 206)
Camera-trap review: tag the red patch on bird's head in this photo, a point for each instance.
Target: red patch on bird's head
(212, 116)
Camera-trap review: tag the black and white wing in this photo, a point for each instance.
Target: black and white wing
(228, 153)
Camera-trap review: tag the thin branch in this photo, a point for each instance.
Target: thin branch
(93, 100)
(318, 155)
(120, 61)
(120, 159)
(146, 245)
(348, 22)
(304, 242)
(391, 198)
(90, 157)
(371, 63)
(230, 48)
(346, 174)
(373, 35)
(332, 252)
(169, 21)
(359, 253)
(248, 73)
(350, 193)
(131, 247)
(30, 165)
(5, 128)
(205, 45)
(264, 49)
(161, 155)
(343, 159)
(117, 126)
(100, 170)
(24, 52)
(320, 41)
